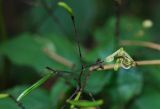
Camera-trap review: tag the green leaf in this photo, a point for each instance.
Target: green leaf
(97, 81)
(66, 7)
(85, 13)
(58, 92)
(128, 84)
(83, 103)
(148, 100)
(7, 103)
(27, 50)
(3, 95)
(131, 29)
(34, 86)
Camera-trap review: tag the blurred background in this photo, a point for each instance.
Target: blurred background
(37, 33)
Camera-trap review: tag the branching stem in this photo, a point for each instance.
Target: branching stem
(138, 63)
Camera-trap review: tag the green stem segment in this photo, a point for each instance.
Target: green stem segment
(85, 104)
(76, 99)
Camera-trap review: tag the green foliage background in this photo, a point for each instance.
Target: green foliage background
(26, 29)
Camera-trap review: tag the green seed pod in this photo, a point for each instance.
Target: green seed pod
(66, 7)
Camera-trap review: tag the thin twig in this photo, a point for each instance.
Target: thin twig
(90, 94)
(58, 58)
(140, 43)
(77, 38)
(79, 50)
(19, 104)
(138, 63)
(75, 92)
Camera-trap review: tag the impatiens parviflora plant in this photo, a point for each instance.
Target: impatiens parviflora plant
(122, 58)
(76, 102)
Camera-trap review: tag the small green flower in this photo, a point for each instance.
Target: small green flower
(123, 59)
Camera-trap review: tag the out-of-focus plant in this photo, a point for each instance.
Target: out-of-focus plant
(123, 89)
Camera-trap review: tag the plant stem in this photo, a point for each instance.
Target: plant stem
(76, 99)
(138, 63)
(58, 58)
(140, 43)
(148, 62)
(79, 50)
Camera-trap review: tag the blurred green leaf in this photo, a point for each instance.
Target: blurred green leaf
(129, 83)
(151, 76)
(155, 18)
(7, 103)
(85, 13)
(97, 81)
(154, 75)
(130, 29)
(101, 50)
(58, 93)
(148, 100)
(28, 50)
